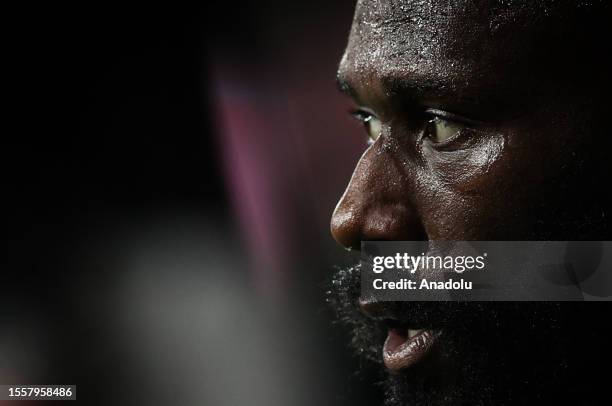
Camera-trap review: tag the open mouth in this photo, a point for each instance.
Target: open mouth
(405, 347)
(407, 343)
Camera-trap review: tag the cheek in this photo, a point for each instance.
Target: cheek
(469, 171)
(472, 193)
(501, 185)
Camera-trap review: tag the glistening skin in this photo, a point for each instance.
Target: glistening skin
(483, 123)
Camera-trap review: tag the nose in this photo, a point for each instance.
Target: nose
(378, 204)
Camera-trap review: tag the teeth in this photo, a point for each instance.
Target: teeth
(412, 333)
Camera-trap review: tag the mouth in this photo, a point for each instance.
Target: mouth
(408, 343)
(406, 347)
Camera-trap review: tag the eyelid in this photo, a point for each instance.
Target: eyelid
(445, 115)
(362, 113)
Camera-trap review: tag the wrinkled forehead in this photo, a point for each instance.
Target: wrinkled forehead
(446, 43)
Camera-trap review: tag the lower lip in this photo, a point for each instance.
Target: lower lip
(401, 352)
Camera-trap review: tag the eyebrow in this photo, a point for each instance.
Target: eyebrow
(344, 85)
(429, 91)
(415, 87)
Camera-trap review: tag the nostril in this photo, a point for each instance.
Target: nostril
(393, 222)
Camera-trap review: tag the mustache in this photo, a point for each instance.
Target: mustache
(459, 319)
(345, 292)
(367, 337)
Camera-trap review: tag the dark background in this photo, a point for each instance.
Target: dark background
(140, 264)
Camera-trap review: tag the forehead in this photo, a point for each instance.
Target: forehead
(470, 48)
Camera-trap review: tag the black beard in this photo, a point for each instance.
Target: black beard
(490, 353)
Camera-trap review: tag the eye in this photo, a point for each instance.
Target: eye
(371, 123)
(439, 129)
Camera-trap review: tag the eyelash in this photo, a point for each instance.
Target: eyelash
(361, 114)
(452, 117)
(365, 117)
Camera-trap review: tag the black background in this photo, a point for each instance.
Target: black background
(108, 123)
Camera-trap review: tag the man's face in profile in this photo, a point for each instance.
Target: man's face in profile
(482, 119)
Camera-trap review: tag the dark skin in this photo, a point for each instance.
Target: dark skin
(489, 180)
(484, 120)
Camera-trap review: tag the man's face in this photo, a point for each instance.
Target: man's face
(473, 137)
(480, 128)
